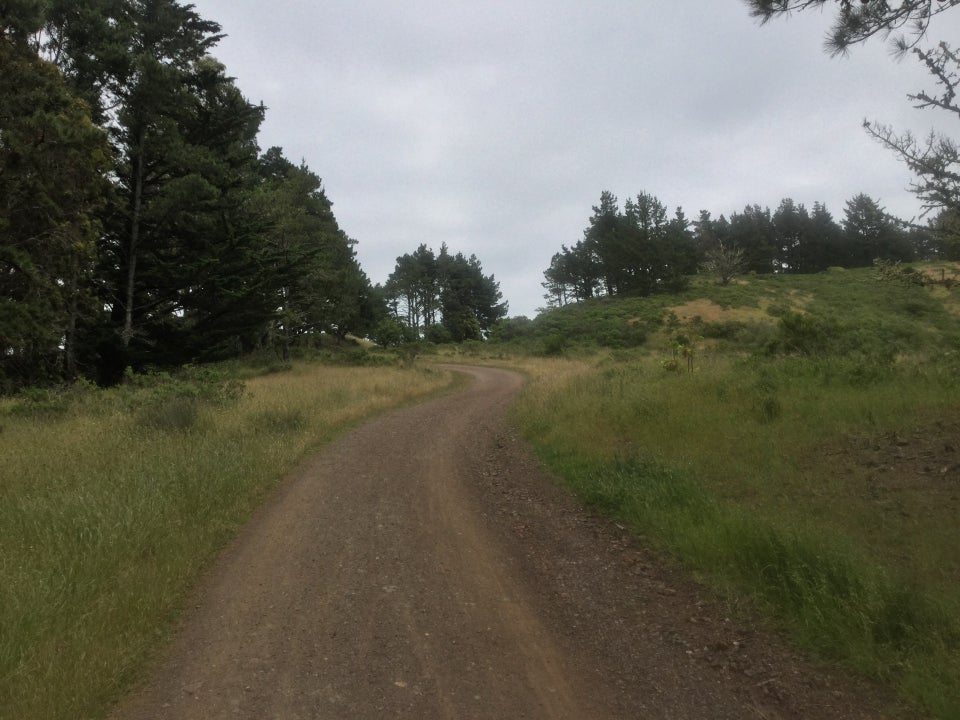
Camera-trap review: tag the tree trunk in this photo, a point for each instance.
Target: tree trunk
(70, 332)
(127, 333)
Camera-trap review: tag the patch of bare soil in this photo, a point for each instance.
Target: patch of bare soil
(708, 311)
(425, 566)
(909, 480)
(926, 459)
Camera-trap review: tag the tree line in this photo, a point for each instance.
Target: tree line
(441, 298)
(141, 224)
(639, 250)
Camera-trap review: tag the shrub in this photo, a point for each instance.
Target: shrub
(554, 344)
(393, 333)
(804, 334)
(438, 334)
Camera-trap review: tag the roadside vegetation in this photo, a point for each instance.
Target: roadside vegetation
(794, 440)
(112, 502)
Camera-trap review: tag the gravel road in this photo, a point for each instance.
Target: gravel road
(425, 566)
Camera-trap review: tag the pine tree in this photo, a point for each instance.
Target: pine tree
(53, 163)
(934, 160)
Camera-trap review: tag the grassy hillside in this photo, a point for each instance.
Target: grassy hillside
(854, 312)
(794, 440)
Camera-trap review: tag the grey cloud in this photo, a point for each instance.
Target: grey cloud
(494, 126)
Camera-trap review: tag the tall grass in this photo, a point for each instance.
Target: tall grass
(734, 468)
(112, 501)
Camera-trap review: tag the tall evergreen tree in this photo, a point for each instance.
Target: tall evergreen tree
(791, 227)
(53, 163)
(604, 239)
(559, 280)
(684, 256)
(945, 229)
(754, 234)
(871, 234)
(643, 253)
(320, 286)
(202, 248)
(825, 247)
(444, 290)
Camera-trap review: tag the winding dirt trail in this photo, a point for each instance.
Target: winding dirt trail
(423, 566)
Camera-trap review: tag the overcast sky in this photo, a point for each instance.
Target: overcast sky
(494, 125)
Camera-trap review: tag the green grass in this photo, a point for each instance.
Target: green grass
(857, 309)
(112, 501)
(750, 502)
(773, 471)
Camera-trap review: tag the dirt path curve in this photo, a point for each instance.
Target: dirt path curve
(424, 567)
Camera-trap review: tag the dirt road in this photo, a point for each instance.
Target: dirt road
(424, 567)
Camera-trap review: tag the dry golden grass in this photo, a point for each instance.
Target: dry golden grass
(709, 311)
(111, 505)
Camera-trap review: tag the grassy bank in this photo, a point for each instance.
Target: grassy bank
(794, 439)
(783, 479)
(112, 501)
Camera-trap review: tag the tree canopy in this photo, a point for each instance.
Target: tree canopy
(638, 251)
(141, 226)
(444, 297)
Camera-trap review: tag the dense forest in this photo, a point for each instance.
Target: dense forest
(141, 225)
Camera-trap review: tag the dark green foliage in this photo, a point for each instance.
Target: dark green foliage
(554, 344)
(725, 330)
(45, 403)
(429, 292)
(859, 20)
(52, 163)
(515, 328)
(322, 287)
(393, 333)
(438, 334)
(183, 244)
(752, 232)
(853, 315)
(604, 322)
(871, 234)
(635, 252)
(640, 252)
(800, 333)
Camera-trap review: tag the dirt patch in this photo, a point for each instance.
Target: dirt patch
(908, 484)
(709, 312)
